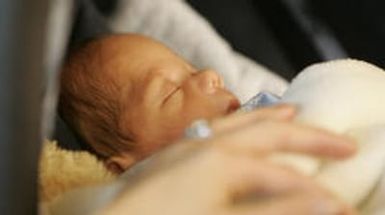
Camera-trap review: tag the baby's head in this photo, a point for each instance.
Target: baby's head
(127, 96)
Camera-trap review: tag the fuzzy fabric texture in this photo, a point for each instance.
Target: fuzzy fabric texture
(181, 28)
(63, 170)
(346, 97)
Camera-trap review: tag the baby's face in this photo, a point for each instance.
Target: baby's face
(160, 92)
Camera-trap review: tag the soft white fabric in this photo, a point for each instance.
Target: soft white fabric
(177, 25)
(347, 97)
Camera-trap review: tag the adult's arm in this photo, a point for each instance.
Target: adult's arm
(225, 174)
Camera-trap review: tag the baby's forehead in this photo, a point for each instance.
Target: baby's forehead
(127, 57)
(131, 53)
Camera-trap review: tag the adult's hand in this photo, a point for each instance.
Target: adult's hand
(205, 177)
(212, 181)
(272, 129)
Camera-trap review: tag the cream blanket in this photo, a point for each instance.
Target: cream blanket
(347, 97)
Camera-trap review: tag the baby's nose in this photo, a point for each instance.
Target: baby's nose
(210, 80)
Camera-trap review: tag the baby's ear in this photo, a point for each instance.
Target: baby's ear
(120, 163)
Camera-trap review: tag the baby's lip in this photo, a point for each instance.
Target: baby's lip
(233, 105)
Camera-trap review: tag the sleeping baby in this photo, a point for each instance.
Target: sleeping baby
(127, 96)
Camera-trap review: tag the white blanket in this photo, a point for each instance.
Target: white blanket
(347, 97)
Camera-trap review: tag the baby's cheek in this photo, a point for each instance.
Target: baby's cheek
(155, 141)
(175, 130)
(164, 132)
(171, 121)
(204, 109)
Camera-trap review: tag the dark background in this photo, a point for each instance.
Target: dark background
(269, 32)
(266, 30)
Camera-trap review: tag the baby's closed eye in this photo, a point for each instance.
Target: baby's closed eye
(169, 89)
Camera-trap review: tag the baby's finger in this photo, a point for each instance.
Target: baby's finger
(237, 120)
(269, 136)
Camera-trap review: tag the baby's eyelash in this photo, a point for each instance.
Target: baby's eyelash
(170, 94)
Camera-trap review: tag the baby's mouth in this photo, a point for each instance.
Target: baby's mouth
(233, 105)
